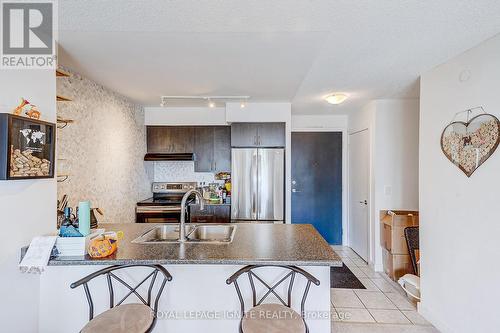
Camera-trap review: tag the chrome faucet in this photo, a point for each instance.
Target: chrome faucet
(182, 228)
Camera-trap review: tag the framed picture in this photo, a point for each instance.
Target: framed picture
(27, 148)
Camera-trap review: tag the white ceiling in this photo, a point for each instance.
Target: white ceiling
(280, 50)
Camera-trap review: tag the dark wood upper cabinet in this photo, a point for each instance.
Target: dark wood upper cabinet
(222, 148)
(203, 149)
(170, 139)
(271, 134)
(244, 135)
(211, 145)
(212, 149)
(258, 135)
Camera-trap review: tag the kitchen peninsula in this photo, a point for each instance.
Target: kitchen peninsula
(199, 273)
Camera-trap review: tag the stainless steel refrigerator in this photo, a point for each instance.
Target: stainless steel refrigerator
(257, 184)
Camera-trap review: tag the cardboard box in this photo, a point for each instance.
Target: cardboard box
(396, 265)
(392, 226)
(396, 259)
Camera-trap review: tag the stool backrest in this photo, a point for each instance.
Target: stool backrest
(287, 280)
(411, 235)
(109, 272)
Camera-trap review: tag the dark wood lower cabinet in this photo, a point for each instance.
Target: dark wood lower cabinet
(211, 214)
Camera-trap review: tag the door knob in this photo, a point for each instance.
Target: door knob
(364, 202)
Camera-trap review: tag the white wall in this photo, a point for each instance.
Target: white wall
(459, 216)
(393, 127)
(319, 122)
(185, 116)
(28, 207)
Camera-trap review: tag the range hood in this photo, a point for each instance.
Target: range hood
(169, 157)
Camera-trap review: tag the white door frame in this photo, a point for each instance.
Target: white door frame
(345, 190)
(370, 231)
(372, 242)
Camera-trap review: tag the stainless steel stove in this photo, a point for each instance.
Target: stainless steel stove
(165, 205)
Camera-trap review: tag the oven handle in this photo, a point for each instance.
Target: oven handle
(145, 209)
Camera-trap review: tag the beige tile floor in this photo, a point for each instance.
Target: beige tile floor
(381, 307)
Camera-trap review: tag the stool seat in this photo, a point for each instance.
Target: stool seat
(125, 318)
(272, 318)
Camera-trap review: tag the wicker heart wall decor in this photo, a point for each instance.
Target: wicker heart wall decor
(468, 144)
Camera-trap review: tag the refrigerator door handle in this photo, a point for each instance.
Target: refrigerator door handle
(259, 181)
(255, 180)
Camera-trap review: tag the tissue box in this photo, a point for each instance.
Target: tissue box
(75, 246)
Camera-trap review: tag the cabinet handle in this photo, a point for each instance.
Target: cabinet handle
(215, 166)
(259, 141)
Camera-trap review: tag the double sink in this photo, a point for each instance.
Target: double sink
(216, 234)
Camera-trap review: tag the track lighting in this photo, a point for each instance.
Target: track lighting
(210, 100)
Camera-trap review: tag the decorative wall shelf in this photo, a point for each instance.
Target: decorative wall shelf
(61, 73)
(62, 123)
(62, 178)
(60, 98)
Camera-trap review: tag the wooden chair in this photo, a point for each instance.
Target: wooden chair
(288, 320)
(130, 317)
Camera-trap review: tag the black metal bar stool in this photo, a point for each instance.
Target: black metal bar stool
(272, 317)
(130, 317)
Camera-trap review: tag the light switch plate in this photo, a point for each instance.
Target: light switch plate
(388, 190)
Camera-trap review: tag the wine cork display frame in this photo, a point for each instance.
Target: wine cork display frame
(468, 144)
(27, 148)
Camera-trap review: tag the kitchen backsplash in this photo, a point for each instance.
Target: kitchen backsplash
(179, 171)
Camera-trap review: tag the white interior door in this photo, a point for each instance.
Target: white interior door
(359, 177)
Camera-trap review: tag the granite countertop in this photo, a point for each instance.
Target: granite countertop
(279, 244)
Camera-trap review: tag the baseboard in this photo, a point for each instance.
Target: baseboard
(377, 267)
(428, 314)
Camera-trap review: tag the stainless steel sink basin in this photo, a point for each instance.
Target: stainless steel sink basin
(195, 234)
(162, 234)
(212, 233)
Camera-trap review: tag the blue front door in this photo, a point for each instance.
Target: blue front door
(317, 182)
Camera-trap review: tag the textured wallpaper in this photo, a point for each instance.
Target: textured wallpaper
(103, 150)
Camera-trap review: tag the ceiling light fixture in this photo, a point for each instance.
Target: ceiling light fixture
(210, 99)
(336, 98)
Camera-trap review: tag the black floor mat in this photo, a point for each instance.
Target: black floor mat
(342, 277)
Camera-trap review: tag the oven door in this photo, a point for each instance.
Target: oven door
(151, 214)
